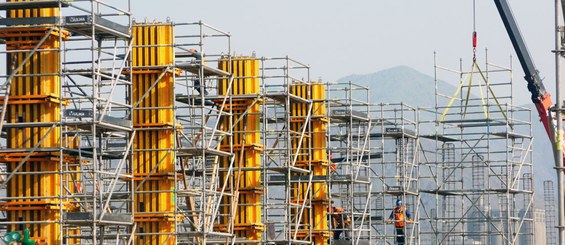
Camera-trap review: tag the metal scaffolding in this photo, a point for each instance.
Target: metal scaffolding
(97, 83)
(549, 205)
(245, 178)
(476, 174)
(295, 161)
(350, 173)
(66, 107)
(121, 132)
(394, 137)
(206, 126)
(154, 123)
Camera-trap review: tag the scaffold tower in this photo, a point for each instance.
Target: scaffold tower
(395, 171)
(154, 123)
(69, 133)
(205, 140)
(115, 131)
(476, 174)
(245, 178)
(549, 205)
(294, 161)
(98, 85)
(32, 103)
(349, 148)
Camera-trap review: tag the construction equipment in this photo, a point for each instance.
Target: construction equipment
(540, 96)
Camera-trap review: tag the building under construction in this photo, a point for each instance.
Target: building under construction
(476, 172)
(117, 131)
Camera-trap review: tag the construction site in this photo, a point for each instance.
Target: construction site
(121, 131)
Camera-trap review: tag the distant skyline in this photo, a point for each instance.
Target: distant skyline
(338, 39)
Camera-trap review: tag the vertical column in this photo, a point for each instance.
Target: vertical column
(34, 188)
(320, 201)
(300, 146)
(153, 120)
(245, 179)
(309, 150)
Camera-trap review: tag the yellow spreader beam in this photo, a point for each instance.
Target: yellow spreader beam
(153, 120)
(245, 206)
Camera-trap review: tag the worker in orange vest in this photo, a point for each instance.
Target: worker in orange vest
(333, 166)
(331, 220)
(398, 216)
(341, 221)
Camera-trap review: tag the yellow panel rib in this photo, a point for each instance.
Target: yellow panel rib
(154, 160)
(247, 148)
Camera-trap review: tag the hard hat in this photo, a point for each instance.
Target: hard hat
(398, 202)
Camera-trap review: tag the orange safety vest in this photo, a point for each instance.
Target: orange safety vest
(340, 218)
(333, 167)
(399, 217)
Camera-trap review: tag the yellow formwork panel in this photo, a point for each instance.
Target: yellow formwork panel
(312, 151)
(320, 162)
(152, 147)
(318, 96)
(35, 98)
(161, 94)
(300, 152)
(28, 13)
(246, 76)
(247, 146)
(153, 45)
(154, 158)
(152, 203)
(163, 227)
(41, 233)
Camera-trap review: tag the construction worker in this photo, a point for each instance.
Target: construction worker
(398, 216)
(198, 59)
(331, 211)
(340, 221)
(333, 166)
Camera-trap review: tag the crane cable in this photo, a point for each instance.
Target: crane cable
(487, 85)
(474, 32)
(470, 76)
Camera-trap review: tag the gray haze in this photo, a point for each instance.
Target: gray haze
(339, 38)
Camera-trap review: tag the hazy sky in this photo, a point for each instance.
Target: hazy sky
(338, 38)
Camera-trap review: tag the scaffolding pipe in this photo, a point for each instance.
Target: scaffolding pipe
(559, 137)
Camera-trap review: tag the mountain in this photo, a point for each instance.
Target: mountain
(398, 84)
(407, 85)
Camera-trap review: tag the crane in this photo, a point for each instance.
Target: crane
(540, 97)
